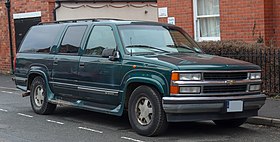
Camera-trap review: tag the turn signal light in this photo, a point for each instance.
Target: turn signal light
(174, 90)
(175, 76)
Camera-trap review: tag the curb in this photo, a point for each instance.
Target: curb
(258, 120)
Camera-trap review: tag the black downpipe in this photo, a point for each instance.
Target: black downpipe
(54, 10)
(8, 6)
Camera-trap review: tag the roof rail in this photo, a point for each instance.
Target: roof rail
(80, 20)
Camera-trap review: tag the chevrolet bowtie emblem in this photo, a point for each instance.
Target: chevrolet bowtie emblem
(230, 82)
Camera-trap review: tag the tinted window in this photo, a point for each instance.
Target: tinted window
(72, 39)
(40, 39)
(101, 37)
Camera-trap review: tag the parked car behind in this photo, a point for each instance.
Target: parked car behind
(155, 71)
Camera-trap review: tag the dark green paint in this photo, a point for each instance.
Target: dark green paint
(99, 72)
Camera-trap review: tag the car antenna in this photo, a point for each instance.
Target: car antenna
(130, 39)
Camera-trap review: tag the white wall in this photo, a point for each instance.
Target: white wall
(131, 11)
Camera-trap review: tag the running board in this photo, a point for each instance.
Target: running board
(80, 105)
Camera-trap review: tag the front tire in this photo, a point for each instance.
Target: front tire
(230, 123)
(145, 112)
(38, 97)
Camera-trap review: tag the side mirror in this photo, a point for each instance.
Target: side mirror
(112, 54)
(115, 57)
(108, 52)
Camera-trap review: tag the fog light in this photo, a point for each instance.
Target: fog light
(191, 90)
(255, 87)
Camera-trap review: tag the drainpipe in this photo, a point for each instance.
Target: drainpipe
(8, 6)
(56, 7)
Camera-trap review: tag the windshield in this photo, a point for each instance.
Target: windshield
(149, 39)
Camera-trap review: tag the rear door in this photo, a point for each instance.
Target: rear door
(66, 62)
(99, 77)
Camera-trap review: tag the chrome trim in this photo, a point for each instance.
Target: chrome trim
(214, 71)
(110, 92)
(59, 83)
(216, 94)
(213, 98)
(210, 83)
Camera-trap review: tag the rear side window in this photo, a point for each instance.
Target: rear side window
(72, 40)
(40, 39)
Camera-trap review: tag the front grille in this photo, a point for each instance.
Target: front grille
(225, 76)
(225, 89)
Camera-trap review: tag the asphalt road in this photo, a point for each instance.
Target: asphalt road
(18, 123)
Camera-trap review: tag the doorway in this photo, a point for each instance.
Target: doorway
(22, 26)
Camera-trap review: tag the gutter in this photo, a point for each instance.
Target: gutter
(56, 7)
(8, 6)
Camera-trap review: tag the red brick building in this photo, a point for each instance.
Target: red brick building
(248, 20)
(24, 13)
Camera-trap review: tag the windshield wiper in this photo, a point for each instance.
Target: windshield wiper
(182, 46)
(145, 46)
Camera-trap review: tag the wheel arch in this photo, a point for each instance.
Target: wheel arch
(39, 71)
(135, 82)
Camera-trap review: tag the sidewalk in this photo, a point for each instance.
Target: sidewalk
(269, 114)
(6, 81)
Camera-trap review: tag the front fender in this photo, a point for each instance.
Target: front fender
(155, 78)
(144, 80)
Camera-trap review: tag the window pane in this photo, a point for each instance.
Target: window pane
(207, 7)
(44, 37)
(209, 27)
(101, 37)
(72, 39)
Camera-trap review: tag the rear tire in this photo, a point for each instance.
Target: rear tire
(38, 97)
(230, 123)
(145, 112)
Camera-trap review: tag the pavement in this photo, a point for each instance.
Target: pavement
(269, 114)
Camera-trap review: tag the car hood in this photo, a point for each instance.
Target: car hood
(195, 61)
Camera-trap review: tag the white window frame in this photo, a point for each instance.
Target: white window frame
(197, 36)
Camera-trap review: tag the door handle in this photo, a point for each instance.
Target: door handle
(82, 64)
(55, 62)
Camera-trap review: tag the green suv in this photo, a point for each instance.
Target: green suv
(156, 72)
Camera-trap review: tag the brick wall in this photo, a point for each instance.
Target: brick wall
(4, 40)
(19, 6)
(182, 10)
(242, 20)
(247, 20)
(276, 20)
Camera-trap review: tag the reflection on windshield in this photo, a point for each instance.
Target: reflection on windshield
(155, 39)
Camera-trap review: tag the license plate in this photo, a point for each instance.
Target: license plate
(234, 106)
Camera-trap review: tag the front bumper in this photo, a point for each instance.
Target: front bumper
(210, 108)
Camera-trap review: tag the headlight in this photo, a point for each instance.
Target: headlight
(255, 75)
(191, 90)
(190, 76)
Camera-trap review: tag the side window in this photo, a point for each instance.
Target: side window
(72, 40)
(40, 39)
(101, 37)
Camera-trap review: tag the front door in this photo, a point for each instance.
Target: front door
(99, 77)
(66, 63)
(22, 26)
